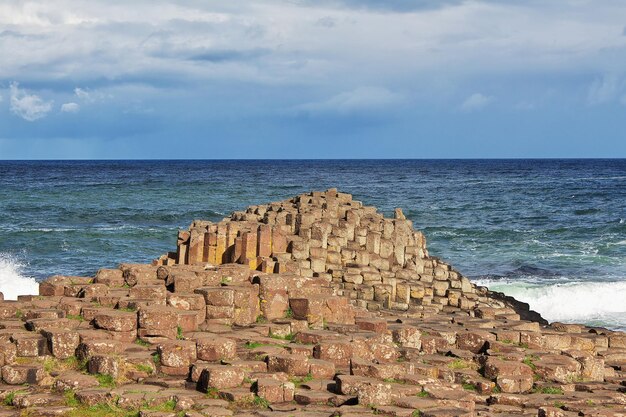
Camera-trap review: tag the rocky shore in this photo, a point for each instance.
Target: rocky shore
(312, 306)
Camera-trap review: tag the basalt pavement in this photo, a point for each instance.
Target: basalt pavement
(314, 306)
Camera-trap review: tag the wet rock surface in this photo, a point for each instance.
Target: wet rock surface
(313, 306)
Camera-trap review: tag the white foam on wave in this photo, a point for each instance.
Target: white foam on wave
(581, 302)
(12, 282)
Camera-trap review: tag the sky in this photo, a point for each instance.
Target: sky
(143, 79)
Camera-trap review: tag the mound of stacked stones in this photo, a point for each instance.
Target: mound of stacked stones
(314, 307)
(378, 263)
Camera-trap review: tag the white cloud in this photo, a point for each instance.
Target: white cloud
(83, 94)
(476, 101)
(89, 96)
(29, 107)
(604, 90)
(361, 99)
(70, 107)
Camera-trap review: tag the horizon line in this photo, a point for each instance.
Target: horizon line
(322, 159)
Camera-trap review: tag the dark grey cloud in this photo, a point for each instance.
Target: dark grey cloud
(214, 55)
(228, 55)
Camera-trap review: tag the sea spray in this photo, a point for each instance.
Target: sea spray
(578, 302)
(12, 283)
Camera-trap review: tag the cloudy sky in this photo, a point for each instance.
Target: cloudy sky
(312, 78)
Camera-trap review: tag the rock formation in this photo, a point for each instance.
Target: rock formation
(378, 263)
(313, 306)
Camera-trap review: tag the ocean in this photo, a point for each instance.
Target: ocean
(548, 232)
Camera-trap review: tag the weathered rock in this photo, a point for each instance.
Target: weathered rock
(290, 364)
(220, 377)
(104, 364)
(72, 380)
(22, 374)
(215, 348)
(62, 343)
(88, 348)
(275, 391)
(510, 376)
(30, 345)
(179, 353)
(117, 321)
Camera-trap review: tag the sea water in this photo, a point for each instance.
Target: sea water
(549, 232)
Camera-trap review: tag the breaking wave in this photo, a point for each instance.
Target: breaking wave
(12, 283)
(591, 303)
